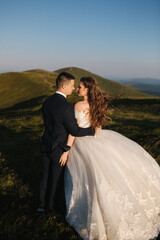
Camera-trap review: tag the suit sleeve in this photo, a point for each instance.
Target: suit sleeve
(71, 125)
(47, 119)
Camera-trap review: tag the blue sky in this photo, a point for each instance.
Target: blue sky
(116, 39)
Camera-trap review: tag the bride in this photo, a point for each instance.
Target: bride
(112, 185)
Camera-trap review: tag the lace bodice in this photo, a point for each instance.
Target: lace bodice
(82, 118)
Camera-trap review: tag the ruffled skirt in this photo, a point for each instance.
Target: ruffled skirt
(112, 189)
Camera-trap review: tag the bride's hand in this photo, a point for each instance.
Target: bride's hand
(63, 158)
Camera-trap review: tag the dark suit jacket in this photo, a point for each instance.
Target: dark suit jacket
(59, 121)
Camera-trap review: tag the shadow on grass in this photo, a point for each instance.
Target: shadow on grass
(139, 101)
(21, 149)
(146, 124)
(20, 168)
(22, 155)
(21, 108)
(150, 106)
(21, 172)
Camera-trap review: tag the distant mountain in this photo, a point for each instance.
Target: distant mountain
(146, 85)
(16, 87)
(153, 81)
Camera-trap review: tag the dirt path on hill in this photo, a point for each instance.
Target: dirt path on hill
(51, 85)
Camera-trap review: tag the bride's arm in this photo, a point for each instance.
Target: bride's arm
(70, 141)
(64, 155)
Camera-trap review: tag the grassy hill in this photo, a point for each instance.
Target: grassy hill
(16, 87)
(21, 129)
(110, 87)
(21, 124)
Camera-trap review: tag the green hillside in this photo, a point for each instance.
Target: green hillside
(20, 164)
(20, 159)
(16, 87)
(110, 87)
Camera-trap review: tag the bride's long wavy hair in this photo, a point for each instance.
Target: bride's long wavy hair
(97, 102)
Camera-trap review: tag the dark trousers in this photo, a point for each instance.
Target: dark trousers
(52, 175)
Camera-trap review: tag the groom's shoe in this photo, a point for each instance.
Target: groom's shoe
(46, 211)
(40, 210)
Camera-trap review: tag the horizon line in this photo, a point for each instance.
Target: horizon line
(110, 76)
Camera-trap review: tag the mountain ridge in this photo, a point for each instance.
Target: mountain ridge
(16, 87)
(146, 85)
(114, 88)
(146, 80)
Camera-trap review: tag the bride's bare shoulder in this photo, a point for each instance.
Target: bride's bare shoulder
(81, 106)
(78, 106)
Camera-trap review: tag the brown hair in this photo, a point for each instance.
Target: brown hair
(97, 102)
(63, 78)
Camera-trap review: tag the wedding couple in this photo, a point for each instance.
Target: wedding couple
(112, 185)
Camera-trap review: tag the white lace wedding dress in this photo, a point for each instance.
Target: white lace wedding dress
(112, 187)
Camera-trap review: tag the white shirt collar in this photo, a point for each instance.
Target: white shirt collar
(61, 93)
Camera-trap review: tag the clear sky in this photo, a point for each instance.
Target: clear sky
(112, 38)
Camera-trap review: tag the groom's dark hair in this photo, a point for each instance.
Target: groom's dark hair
(63, 78)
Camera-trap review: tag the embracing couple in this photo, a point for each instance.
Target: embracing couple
(112, 185)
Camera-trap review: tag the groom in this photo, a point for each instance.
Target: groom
(59, 121)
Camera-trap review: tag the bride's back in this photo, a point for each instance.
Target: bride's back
(82, 114)
(82, 106)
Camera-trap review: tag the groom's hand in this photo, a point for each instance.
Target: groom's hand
(63, 158)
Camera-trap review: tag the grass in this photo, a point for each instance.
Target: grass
(16, 87)
(21, 128)
(20, 166)
(139, 119)
(110, 87)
